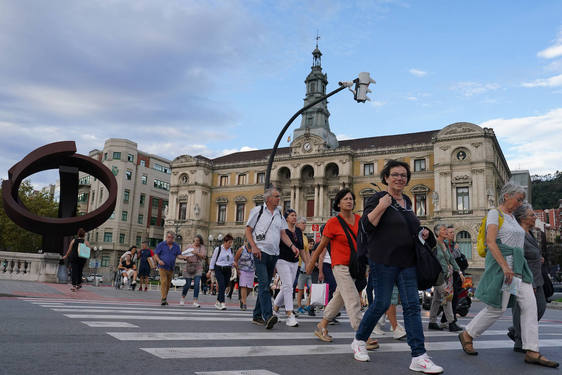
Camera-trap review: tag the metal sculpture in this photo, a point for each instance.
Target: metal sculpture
(61, 155)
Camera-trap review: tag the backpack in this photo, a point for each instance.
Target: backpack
(481, 240)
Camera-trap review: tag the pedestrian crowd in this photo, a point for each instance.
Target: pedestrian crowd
(372, 255)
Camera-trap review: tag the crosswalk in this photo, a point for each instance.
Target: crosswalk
(232, 335)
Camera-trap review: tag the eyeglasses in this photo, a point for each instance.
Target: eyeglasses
(399, 175)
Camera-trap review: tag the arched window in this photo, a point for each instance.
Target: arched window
(465, 243)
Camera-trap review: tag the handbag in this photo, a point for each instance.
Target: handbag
(319, 294)
(547, 287)
(83, 251)
(357, 269)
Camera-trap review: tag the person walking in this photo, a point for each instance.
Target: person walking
(386, 217)
(76, 263)
(506, 264)
(221, 262)
(145, 265)
(244, 262)
(287, 266)
(165, 254)
(265, 229)
(194, 257)
(346, 293)
(443, 288)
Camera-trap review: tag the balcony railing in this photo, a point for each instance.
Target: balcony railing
(462, 212)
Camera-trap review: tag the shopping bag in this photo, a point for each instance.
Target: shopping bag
(83, 251)
(319, 294)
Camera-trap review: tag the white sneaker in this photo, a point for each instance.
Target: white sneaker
(218, 305)
(398, 333)
(292, 321)
(377, 330)
(424, 364)
(195, 304)
(223, 306)
(182, 301)
(360, 350)
(125, 280)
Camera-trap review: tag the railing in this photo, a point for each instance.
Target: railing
(29, 266)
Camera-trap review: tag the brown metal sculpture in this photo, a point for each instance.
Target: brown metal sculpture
(61, 155)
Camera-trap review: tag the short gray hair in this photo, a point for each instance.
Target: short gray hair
(170, 232)
(511, 188)
(437, 228)
(522, 211)
(301, 219)
(269, 192)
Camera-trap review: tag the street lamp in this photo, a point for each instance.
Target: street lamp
(359, 94)
(215, 242)
(97, 281)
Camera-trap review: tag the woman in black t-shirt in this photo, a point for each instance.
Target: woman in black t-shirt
(76, 263)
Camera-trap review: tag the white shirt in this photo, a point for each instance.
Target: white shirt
(226, 258)
(510, 233)
(276, 223)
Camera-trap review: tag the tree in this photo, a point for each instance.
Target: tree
(547, 191)
(15, 238)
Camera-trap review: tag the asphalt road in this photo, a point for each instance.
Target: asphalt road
(107, 331)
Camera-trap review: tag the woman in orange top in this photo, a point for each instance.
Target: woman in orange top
(346, 293)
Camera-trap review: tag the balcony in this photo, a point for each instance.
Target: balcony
(462, 212)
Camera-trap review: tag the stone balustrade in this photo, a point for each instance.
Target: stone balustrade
(29, 266)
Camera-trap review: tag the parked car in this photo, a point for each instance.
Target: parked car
(91, 278)
(176, 281)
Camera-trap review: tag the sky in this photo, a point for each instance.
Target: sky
(214, 77)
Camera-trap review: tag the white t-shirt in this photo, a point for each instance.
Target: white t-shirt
(510, 233)
(327, 258)
(269, 224)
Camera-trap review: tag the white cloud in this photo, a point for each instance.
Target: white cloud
(412, 98)
(377, 104)
(233, 150)
(417, 72)
(545, 82)
(552, 51)
(469, 89)
(531, 142)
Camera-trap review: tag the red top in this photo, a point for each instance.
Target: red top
(339, 245)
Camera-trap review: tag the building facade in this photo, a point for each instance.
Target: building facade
(143, 182)
(457, 172)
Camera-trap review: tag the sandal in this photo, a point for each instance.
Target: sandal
(540, 360)
(322, 334)
(467, 344)
(372, 344)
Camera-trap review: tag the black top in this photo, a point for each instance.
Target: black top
(391, 242)
(285, 252)
(74, 252)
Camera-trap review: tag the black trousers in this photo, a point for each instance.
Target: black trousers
(76, 267)
(223, 276)
(457, 287)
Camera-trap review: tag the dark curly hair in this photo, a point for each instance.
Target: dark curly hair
(385, 173)
(339, 196)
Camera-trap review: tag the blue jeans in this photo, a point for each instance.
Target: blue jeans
(264, 271)
(195, 286)
(329, 279)
(384, 278)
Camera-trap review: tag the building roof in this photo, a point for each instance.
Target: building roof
(355, 144)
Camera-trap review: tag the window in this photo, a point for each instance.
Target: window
(97, 237)
(153, 220)
(116, 156)
(143, 163)
(240, 212)
(142, 199)
(107, 236)
(462, 199)
(114, 170)
(223, 180)
(126, 194)
(105, 260)
(155, 203)
(124, 215)
(241, 179)
(129, 175)
(130, 157)
(144, 179)
(261, 178)
(465, 243)
(121, 237)
(112, 215)
(368, 169)
(419, 165)
(105, 156)
(83, 197)
(332, 212)
(421, 207)
(138, 241)
(101, 195)
(93, 196)
(161, 168)
(161, 185)
(183, 211)
(221, 219)
(310, 208)
(286, 206)
(84, 180)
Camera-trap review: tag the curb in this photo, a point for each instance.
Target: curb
(554, 305)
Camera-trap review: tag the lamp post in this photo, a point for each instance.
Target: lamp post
(359, 94)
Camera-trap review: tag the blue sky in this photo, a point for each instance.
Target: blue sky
(212, 77)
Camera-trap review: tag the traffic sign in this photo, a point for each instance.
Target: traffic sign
(315, 227)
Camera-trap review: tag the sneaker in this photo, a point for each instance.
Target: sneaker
(398, 333)
(334, 322)
(300, 310)
(271, 322)
(146, 289)
(453, 327)
(182, 301)
(360, 350)
(125, 280)
(424, 364)
(244, 307)
(292, 321)
(195, 304)
(218, 305)
(223, 306)
(258, 321)
(434, 326)
(377, 330)
(311, 311)
(275, 313)
(164, 302)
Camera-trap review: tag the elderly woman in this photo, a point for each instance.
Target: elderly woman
(387, 220)
(346, 293)
(443, 289)
(526, 217)
(505, 264)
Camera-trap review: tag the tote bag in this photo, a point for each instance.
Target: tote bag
(83, 251)
(319, 294)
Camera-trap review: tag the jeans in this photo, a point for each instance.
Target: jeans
(329, 279)
(223, 276)
(384, 278)
(187, 285)
(264, 271)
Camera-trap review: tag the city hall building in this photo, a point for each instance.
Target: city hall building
(457, 172)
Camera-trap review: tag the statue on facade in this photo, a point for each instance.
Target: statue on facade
(435, 198)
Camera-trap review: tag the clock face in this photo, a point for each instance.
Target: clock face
(307, 146)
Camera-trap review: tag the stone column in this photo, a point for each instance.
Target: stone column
(321, 199)
(316, 189)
